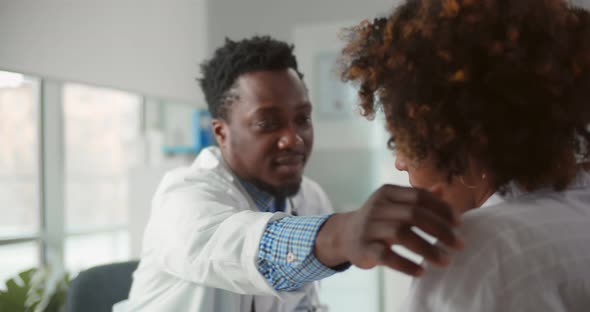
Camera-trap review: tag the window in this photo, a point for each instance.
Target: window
(100, 125)
(15, 258)
(85, 251)
(64, 166)
(19, 172)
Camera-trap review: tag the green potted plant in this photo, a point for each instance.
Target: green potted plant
(35, 290)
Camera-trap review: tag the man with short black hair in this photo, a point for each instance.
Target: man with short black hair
(242, 229)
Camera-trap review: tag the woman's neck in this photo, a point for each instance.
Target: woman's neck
(480, 196)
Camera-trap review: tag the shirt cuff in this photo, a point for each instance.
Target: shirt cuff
(285, 256)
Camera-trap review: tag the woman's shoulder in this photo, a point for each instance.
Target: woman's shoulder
(506, 218)
(543, 218)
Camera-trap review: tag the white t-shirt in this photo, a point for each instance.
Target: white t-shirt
(528, 252)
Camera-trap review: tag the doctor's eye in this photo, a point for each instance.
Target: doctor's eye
(266, 125)
(304, 120)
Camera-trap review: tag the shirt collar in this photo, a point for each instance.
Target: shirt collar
(582, 179)
(495, 199)
(263, 200)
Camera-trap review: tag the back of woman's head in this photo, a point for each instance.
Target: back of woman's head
(505, 82)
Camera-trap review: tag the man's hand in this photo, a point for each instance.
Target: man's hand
(364, 237)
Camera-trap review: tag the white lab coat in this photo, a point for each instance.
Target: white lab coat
(201, 244)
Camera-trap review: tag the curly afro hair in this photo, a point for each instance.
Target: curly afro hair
(505, 82)
(235, 58)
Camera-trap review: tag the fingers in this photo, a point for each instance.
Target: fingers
(388, 234)
(421, 199)
(388, 218)
(424, 219)
(420, 246)
(433, 225)
(385, 256)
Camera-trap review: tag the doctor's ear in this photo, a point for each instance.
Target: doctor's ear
(219, 127)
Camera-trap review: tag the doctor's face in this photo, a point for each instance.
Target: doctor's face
(268, 134)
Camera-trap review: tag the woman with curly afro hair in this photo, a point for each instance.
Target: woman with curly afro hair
(488, 106)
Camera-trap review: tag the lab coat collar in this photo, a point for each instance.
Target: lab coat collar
(210, 158)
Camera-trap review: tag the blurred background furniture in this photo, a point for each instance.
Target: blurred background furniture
(98, 288)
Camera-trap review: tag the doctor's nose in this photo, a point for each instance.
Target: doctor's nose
(290, 139)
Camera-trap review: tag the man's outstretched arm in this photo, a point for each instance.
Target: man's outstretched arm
(297, 250)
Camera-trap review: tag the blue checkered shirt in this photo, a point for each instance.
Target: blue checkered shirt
(285, 253)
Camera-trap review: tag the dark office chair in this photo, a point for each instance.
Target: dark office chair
(98, 288)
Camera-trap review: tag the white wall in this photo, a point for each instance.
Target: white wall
(238, 19)
(148, 46)
(584, 3)
(313, 25)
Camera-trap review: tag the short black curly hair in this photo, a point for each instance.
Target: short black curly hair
(506, 82)
(235, 58)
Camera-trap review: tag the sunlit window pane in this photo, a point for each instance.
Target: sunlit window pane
(100, 126)
(19, 155)
(82, 252)
(16, 258)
